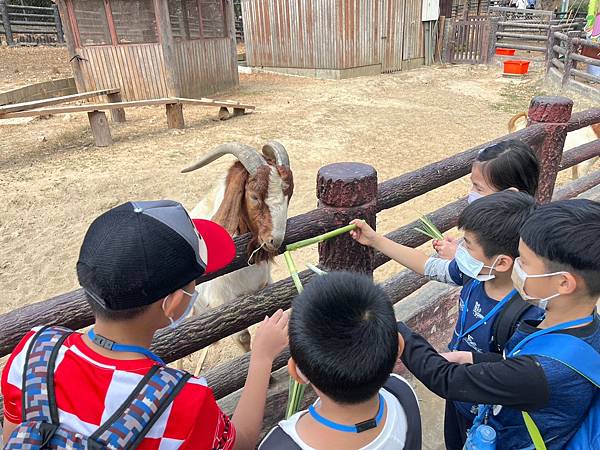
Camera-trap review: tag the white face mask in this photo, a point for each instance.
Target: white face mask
(471, 266)
(519, 277)
(474, 196)
(176, 322)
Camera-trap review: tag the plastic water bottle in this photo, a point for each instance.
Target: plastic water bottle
(481, 438)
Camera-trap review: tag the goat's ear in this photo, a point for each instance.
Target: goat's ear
(229, 213)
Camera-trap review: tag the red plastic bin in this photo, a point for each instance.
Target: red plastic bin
(505, 51)
(516, 67)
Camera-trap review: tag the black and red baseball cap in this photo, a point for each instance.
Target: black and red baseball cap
(138, 253)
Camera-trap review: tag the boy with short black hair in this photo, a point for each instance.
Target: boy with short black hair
(344, 342)
(138, 266)
(489, 307)
(559, 270)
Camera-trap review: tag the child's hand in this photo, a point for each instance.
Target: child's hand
(446, 248)
(271, 337)
(458, 357)
(363, 233)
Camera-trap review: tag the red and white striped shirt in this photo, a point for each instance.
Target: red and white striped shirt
(90, 387)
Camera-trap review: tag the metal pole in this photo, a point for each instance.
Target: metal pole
(6, 23)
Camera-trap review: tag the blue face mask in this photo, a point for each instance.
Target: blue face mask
(176, 322)
(471, 266)
(473, 196)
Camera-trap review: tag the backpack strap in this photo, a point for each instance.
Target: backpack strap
(506, 321)
(38, 399)
(406, 396)
(569, 350)
(126, 428)
(277, 439)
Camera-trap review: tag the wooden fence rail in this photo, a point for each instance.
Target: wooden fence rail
(550, 120)
(30, 24)
(527, 36)
(565, 54)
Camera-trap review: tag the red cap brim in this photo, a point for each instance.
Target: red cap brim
(220, 248)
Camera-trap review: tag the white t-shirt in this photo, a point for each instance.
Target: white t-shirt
(391, 437)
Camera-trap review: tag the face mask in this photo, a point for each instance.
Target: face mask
(471, 266)
(473, 196)
(175, 323)
(519, 277)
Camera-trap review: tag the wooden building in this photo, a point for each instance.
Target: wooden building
(334, 38)
(151, 48)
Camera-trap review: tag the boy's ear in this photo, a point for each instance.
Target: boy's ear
(568, 283)
(400, 345)
(172, 303)
(504, 263)
(295, 373)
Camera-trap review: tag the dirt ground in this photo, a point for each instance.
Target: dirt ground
(54, 182)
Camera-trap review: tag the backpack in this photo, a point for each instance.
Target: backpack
(278, 439)
(40, 428)
(583, 359)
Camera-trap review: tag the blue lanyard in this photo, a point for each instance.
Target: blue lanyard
(483, 321)
(357, 428)
(560, 326)
(111, 345)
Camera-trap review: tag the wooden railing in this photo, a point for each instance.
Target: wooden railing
(355, 193)
(565, 56)
(526, 35)
(30, 24)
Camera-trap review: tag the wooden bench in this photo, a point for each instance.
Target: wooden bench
(97, 117)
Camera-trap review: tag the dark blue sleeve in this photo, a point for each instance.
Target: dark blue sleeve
(455, 273)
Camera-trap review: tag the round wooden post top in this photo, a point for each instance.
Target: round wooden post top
(550, 109)
(346, 184)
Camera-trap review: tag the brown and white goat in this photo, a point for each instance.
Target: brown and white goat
(574, 139)
(251, 197)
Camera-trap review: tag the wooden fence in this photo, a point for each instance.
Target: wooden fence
(352, 195)
(468, 40)
(526, 35)
(22, 24)
(566, 53)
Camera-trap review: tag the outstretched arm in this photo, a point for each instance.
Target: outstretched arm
(409, 257)
(516, 382)
(270, 339)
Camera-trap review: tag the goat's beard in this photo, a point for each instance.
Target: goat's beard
(257, 253)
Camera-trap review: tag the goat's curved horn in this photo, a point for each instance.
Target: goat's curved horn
(277, 152)
(248, 156)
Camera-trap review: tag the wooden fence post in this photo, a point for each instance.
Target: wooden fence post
(554, 113)
(494, 26)
(6, 23)
(550, 49)
(60, 37)
(347, 191)
(568, 60)
(117, 115)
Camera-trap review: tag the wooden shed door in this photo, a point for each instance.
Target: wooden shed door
(392, 35)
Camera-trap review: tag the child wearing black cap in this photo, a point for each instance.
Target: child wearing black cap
(106, 389)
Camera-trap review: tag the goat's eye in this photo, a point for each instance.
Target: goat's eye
(254, 198)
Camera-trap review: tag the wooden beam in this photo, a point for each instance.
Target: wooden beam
(211, 102)
(55, 101)
(165, 36)
(117, 115)
(86, 108)
(110, 106)
(175, 116)
(100, 128)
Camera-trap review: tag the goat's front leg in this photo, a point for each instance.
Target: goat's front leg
(243, 338)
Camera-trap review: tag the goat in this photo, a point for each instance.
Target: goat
(251, 197)
(574, 139)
